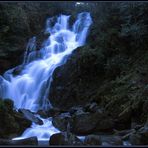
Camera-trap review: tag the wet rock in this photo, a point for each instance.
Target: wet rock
(11, 121)
(64, 139)
(92, 140)
(27, 141)
(30, 116)
(61, 121)
(23, 121)
(111, 140)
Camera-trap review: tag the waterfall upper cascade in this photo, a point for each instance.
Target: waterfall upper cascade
(29, 89)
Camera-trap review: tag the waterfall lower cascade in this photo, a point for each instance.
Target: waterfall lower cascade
(29, 89)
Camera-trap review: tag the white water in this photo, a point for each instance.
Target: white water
(30, 88)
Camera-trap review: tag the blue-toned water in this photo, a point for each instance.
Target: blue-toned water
(29, 89)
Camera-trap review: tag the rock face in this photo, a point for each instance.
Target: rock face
(68, 83)
(64, 139)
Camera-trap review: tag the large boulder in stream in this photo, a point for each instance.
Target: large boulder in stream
(12, 123)
(89, 123)
(61, 121)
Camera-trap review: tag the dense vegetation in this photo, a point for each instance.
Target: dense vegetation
(109, 73)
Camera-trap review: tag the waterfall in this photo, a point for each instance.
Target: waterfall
(29, 89)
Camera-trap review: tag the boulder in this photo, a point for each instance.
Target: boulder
(84, 124)
(61, 121)
(92, 140)
(87, 123)
(11, 121)
(23, 122)
(30, 116)
(27, 141)
(75, 82)
(64, 139)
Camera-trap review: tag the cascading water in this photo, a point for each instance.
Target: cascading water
(29, 89)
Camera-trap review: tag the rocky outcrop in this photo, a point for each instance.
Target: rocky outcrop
(75, 85)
